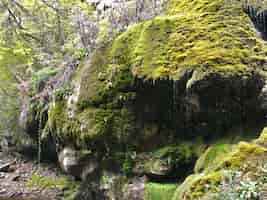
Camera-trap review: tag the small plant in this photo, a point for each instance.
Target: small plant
(61, 93)
(80, 53)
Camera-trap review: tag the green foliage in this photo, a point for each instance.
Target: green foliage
(80, 53)
(61, 93)
(9, 107)
(156, 191)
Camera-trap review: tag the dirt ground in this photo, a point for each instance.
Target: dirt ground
(22, 179)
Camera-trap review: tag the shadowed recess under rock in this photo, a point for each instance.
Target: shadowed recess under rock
(259, 18)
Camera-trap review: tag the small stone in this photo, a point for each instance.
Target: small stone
(14, 177)
(2, 175)
(5, 167)
(2, 191)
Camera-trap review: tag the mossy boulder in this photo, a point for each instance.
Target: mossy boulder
(194, 72)
(168, 160)
(195, 69)
(212, 156)
(242, 158)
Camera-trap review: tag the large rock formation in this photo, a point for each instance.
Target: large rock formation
(195, 72)
(199, 69)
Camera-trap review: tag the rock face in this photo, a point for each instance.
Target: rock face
(135, 190)
(76, 163)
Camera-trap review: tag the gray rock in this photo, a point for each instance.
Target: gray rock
(135, 190)
(79, 164)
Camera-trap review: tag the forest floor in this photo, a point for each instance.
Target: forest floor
(24, 179)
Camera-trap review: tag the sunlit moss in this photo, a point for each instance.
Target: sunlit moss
(243, 157)
(155, 191)
(209, 36)
(211, 156)
(37, 181)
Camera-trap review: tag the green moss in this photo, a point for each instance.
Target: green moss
(243, 153)
(37, 181)
(211, 156)
(182, 189)
(86, 125)
(262, 140)
(213, 37)
(107, 126)
(63, 183)
(40, 77)
(175, 155)
(215, 42)
(176, 7)
(156, 191)
(207, 182)
(91, 83)
(243, 157)
(196, 185)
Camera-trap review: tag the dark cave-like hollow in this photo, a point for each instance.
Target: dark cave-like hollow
(259, 19)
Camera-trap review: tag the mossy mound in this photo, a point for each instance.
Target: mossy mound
(211, 42)
(243, 158)
(92, 127)
(206, 36)
(211, 35)
(162, 163)
(211, 156)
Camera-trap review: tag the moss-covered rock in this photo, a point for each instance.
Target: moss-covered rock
(243, 158)
(170, 159)
(192, 69)
(194, 72)
(211, 156)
